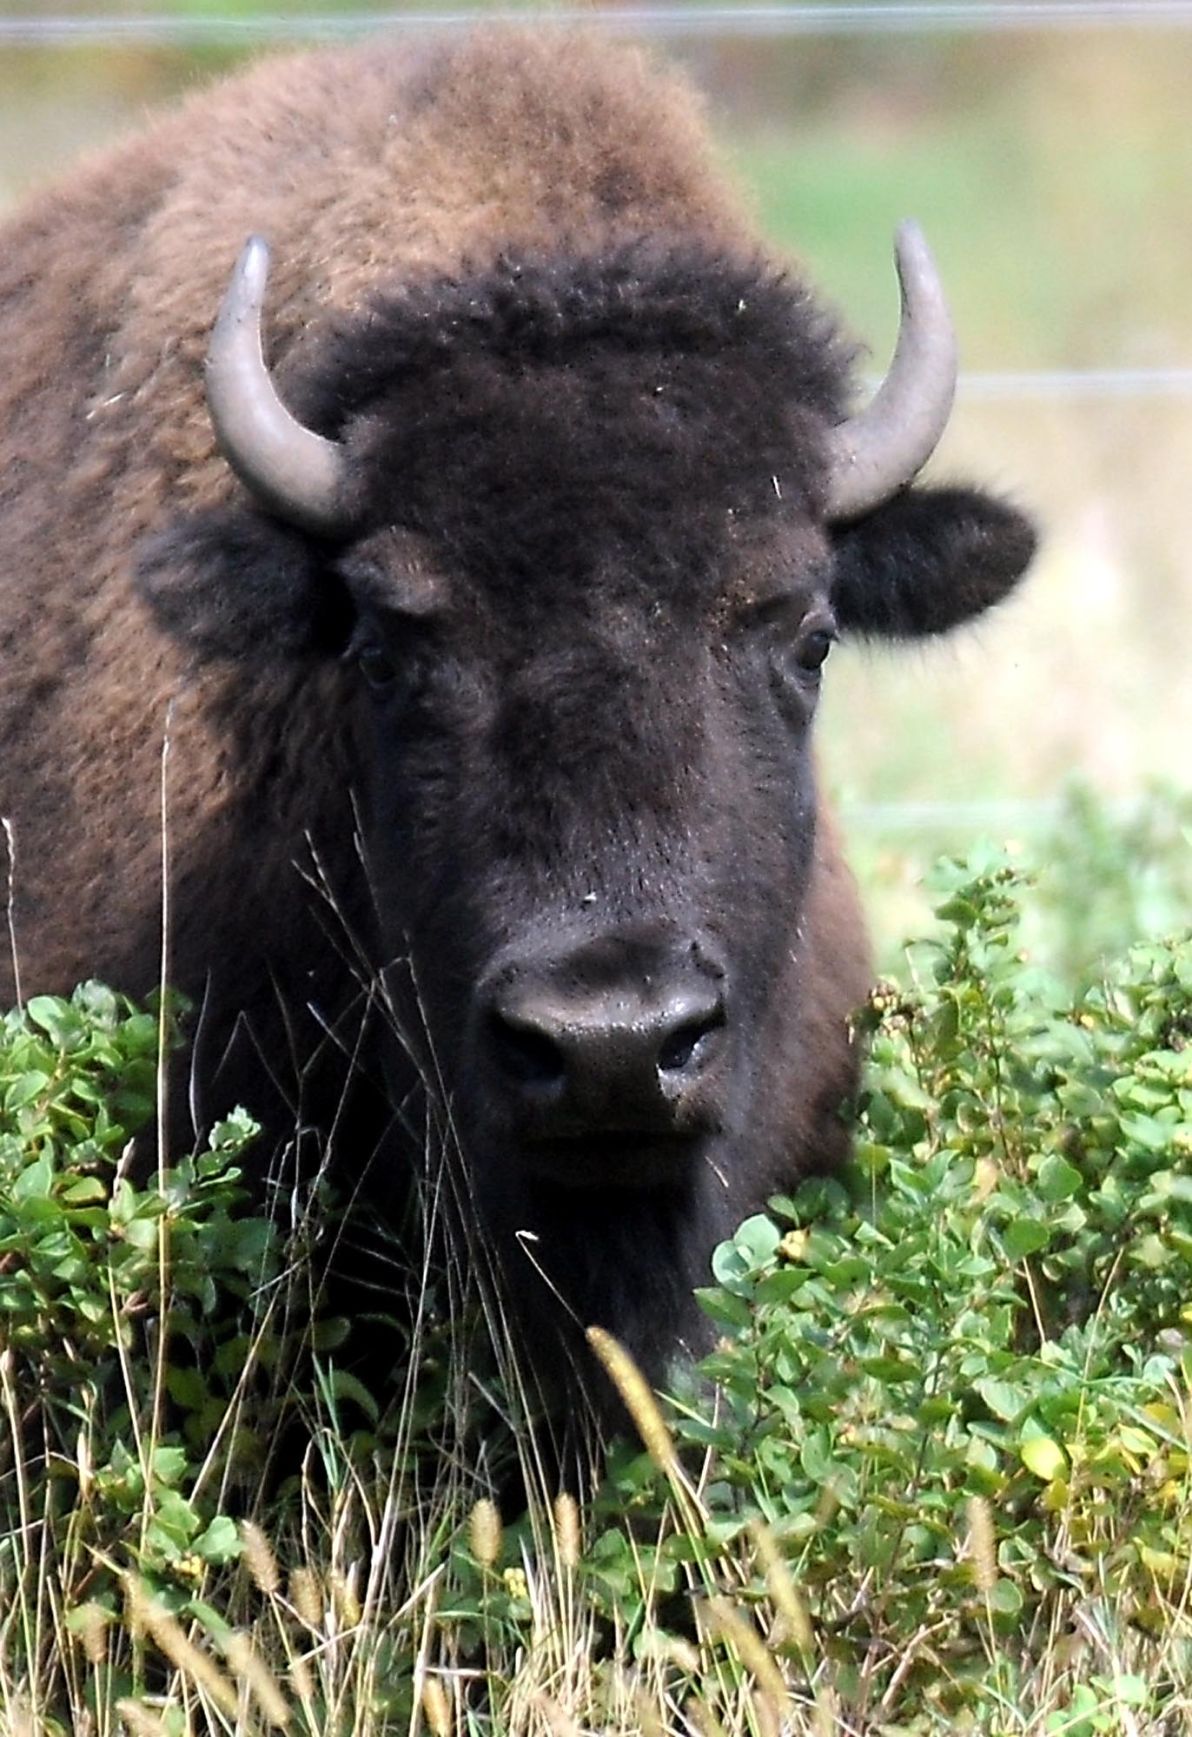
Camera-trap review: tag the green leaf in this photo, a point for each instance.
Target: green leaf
(1005, 1597)
(85, 1191)
(1044, 1457)
(219, 1542)
(1024, 1237)
(35, 1180)
(26, 1089)
(57, 1018)
(1057, 1178)
(758, 1239)
(1003, 1400)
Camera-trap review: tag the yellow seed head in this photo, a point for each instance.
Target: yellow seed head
(303, 1681)
(637, 1397)
(92, 1630)
(728, 1623)
(343, 1593)
(766, 1714)
(259, 1557)
(646, 1709)
(168, 1635)
(558, 1723)
(484, 1532)
(437, 1707)
(251, 1669)
(825, 1721)
(140, 1721)
(306, 1596)
(784, 1595)
(569, 1537)
(982, 1544)
(702, 1719)
(670, 1649)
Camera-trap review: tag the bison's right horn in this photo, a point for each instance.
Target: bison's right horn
(884, 446)
(294, 472)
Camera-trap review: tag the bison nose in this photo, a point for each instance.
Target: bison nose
(580, 1059)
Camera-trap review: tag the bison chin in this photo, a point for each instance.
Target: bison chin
(626, 1257)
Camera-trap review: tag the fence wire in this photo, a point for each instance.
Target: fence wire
(875, 17)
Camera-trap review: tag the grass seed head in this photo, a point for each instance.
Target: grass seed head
(784, 1595)
(92, 1622)
(637, 1397)
(139, 1720)
(702, 1719)
(437, 1707)
(568, 1529)
(306, 1596)
(982, 1544)
(170, 1638)
(485, 1532)
(248, 1666)
(302, 1679)
(727, 1622)
(557, 1722)
(259, 1556)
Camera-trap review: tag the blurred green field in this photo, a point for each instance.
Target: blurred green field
(1052, 173)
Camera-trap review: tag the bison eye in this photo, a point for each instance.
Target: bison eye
(812, 648)
(796, 658)
(375, 665)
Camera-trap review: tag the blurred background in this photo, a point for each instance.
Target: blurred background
(1047, 150)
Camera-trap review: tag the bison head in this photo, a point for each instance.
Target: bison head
(581, 531)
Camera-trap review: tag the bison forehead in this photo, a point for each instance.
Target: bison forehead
(556, 411)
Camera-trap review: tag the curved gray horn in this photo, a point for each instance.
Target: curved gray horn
(886, 444)
(295, 473)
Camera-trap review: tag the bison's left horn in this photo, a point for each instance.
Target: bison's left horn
(887, 444)
(294, 472)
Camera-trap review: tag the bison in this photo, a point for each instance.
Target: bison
(419, 668)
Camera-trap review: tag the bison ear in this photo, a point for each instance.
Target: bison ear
(234, 584)
(927, 560)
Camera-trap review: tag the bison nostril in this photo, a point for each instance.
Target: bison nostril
(691, 1041)
(526, 1054)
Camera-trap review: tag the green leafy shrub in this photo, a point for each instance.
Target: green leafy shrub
(953, 1384)
(934, 1478)
(131, 1305)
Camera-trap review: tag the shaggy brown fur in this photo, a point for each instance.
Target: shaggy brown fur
(361, 166)
(508, 279)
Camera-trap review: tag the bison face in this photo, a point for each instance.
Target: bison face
(572, 530)
(589, 816)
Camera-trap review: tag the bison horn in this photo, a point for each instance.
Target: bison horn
(294, 472)
(885, 445)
